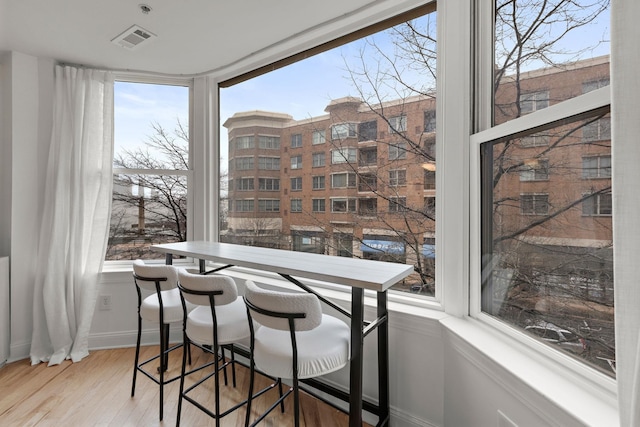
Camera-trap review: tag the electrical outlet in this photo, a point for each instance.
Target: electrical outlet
(104, 302)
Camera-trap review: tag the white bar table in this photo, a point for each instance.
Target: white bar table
(357, 273)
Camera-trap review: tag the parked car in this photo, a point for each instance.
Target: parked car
(556, 335)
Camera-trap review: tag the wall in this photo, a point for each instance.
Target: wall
(5, 153)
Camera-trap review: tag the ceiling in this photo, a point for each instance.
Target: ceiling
(193, 36)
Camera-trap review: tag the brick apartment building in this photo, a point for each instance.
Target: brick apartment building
(360, 180)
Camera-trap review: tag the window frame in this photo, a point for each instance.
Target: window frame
(193, 222)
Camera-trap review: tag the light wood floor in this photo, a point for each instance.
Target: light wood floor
(96, 392)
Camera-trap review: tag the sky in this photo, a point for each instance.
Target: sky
(301, 90)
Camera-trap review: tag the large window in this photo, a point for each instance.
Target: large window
(352, 141)
(546, 236)
(151, 168)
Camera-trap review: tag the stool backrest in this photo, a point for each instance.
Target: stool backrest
(283, 303)
(196, 288)
(147, 275)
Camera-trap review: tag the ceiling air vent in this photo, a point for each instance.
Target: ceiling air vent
(133, 37)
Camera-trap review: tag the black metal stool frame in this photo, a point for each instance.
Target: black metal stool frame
(295, 389)
(164, 343)
(217, 415)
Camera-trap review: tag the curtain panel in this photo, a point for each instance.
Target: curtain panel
(75, 223)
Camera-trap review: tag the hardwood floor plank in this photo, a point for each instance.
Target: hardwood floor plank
(96, 392)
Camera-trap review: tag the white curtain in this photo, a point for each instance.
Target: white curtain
(76, 212)
(625, 97)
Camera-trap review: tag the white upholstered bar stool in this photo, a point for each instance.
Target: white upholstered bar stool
(218, 320)
(295, 341)
(162, 306)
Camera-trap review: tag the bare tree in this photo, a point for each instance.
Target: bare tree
(529, 35)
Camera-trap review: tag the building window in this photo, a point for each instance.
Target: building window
(296, 183)
(535, 170)
(318, 182)
(296, 162)
(268, 205)
(296, 205)
(597, 205)
(534, 204)
(269, 163)
(397, 204)
(430, 206)
(368, 131)
(398, 151)
(368, 206)
(597, 130)
(269, 142)
(398, 124)
(595, 84)
(596, 167)
(340, 205)
(343, 155)
(296, 140)
(318, 205)
(430, 121)
(343, 180)
(244, 142)
(534, 101)
(244, 205)
(367, 182)
(318, 160)
(269, 184)
(244, 184)
(317, 137)
(368, 156)
(536, 140)
(244, 163)
(397, 177)
(343, 131)
(429, 180)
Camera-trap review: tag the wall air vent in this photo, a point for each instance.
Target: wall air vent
(133, 37)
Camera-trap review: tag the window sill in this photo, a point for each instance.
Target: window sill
(568, 389)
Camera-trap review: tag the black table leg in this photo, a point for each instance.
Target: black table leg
(168, 259)
(355, 372)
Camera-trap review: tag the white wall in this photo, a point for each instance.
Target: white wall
(5, 153)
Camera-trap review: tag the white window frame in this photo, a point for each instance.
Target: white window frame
(344, 155)
(245, 142)
(268, 163)
(318, 137)
(194, 223)
(344, 130)
(398, 124)
(270, 184)
(296, 180)
(296, 162)
(241, 181)
(316, 156)
(298, 205)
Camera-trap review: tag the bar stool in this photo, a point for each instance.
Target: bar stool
(164, 307)
(295, 341)
(218, 320)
